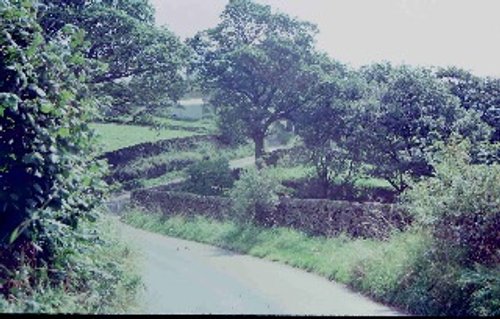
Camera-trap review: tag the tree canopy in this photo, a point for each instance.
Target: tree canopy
(475, 93)
(141, 65)
(412, 110)
(332, 129)
(258, 67)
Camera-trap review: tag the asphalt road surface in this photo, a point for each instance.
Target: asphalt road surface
(183, 277)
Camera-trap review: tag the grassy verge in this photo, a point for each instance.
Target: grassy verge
(372, 182)
(281, 173)
(162, 180)
(115, 136)
(101, 278)
(370, 266)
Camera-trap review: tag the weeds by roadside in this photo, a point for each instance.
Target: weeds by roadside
(371, 266)
(102, 278)
(396, 272)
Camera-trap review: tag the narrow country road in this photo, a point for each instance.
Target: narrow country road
(183, 277)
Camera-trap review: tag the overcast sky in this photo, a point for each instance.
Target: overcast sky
(464, 33)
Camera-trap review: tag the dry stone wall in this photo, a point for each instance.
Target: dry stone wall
(146, 149)
(313, 216)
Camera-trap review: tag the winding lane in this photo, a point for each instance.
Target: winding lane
(183, 277)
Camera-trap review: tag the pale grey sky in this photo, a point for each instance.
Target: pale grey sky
(465, 33)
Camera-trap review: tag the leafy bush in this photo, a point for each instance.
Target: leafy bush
(460, 208)
(460, 204)
(100, 277)
(484, 283)
(52, 259)
(255, 193)
(48, 179)
(209, 177)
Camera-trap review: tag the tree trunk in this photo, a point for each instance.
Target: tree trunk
(325, 183)
(322, 174)
(259, 145)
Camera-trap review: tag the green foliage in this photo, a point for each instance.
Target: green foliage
(460, 205)
(100, 277)
(139, 166)
(48, 181)
(134, 173)
(230, 152)
(333, 130)
(209, 176)
(231, 129)
(479, 94)
(52, 259)
(485, 298)
(258, 67)
(297, 172)
(140, 63)
(255, 193)
(397, 271)
(409, 111)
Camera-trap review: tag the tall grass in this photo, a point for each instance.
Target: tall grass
(102, 278)
(296, 172)
(370, 266)
(398, 271)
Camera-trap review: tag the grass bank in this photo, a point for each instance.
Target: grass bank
(373, 267)
(400, 271)
(115, 136)
(101, 277)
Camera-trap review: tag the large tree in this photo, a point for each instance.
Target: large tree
(258, 66)
(412, 111)
(333, 131)
(475, 93)
(142, 64)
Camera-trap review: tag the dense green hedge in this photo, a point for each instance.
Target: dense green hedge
(50, 182)
(47, 178)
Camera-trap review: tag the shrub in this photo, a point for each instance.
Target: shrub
(254, 194)
(484, 284)
(100, 276)
(461, 206)
(209, 177)
(48, 178)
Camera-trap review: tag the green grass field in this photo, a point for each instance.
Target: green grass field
(204, 124)
(114, 136)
